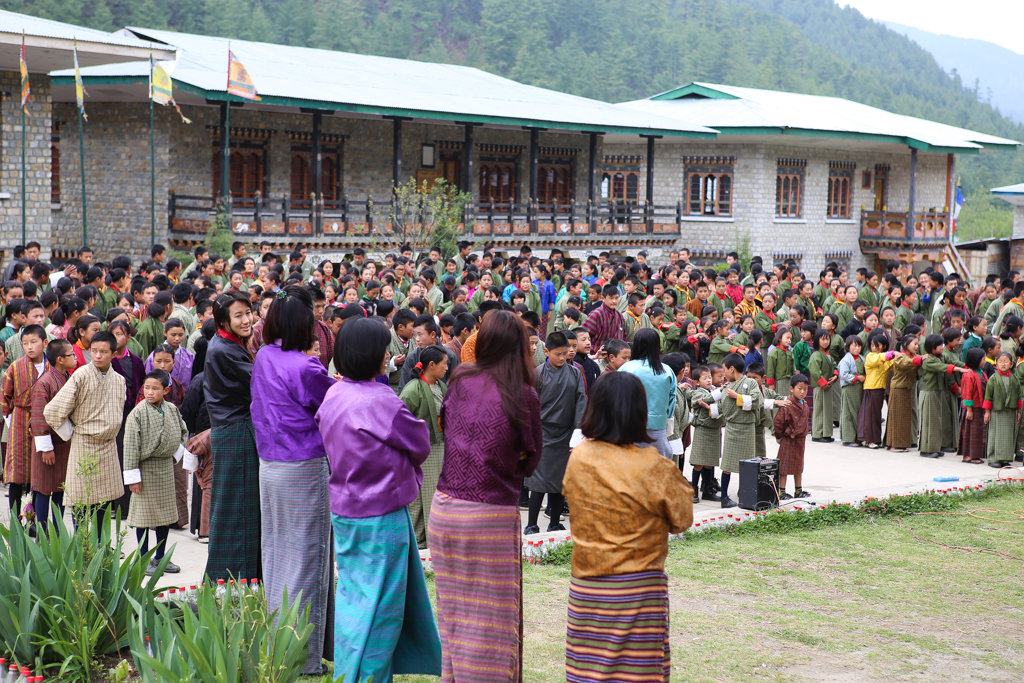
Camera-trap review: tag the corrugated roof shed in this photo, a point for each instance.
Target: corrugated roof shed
(48, 44)
(298, 76)
(748, 111)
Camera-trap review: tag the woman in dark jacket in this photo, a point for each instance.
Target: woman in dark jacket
(235, 521)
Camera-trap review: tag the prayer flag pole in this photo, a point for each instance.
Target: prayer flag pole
(25, 97)
(152, 161)
(80, 97)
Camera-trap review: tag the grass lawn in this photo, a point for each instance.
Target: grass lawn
(864, 601)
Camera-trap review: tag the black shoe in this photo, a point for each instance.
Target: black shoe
(913, 445)
(728, 502)
(785, 496)
(931, 455)
(708, 494)
(949, 449)
(531, 530)
(996, 464)
(524, 505)
(715, 486)
(802, 494)
(565, 509)
(853, 444)
(1019, 458)
(556, 527)
(696, 498)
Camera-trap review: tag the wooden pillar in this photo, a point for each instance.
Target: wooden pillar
(650, 167)
(467, 159)
(913, 191)
(225, 148)
(534, 152)
(317, 208)
(592, 170)
(318, 153)
(396, 173)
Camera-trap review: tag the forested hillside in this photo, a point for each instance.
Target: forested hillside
(614, 50)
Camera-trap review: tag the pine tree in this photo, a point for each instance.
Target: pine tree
(147, 14)
(339, 25)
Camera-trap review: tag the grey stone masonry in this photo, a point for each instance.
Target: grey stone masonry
(1018, 222)
(811, 235)
(118, 179)
(37, 176)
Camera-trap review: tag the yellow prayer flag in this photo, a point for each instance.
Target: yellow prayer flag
(161, 90)
(26, 91)
(239, 81)
(79, 88)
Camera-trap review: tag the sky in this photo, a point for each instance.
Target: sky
(997, 21)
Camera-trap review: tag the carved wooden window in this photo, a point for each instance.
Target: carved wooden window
(450, 166)
(789, 187)
(302, 174)
(497, 183)
(246, 174)
(708, 185)
(840, 190)
(620, 186)
(554, 183)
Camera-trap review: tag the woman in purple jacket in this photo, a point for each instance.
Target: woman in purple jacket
(492, 427)
(288, 387)
(384, 622)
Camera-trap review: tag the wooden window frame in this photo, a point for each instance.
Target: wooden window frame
(243, 151)
(839, 203)
(331, 185)
(789, 188)
(488, 164)
(545, 197)
(865, 180)
(626, 192)
(713, 196)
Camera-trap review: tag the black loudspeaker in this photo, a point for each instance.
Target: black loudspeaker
(759, 483)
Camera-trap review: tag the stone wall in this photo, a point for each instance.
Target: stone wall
(753, 213)
(1018, 222)
(37, 158)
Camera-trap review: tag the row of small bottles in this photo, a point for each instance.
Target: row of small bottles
(16, 675)
(190, 594)
(535, 551)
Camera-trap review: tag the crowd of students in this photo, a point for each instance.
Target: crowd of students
(343, 416)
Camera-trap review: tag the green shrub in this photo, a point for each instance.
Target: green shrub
(64, 597)
(239, 642)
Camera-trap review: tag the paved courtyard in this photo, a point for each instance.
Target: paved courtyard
(832, 473)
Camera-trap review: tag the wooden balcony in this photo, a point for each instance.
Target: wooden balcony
(360, 223)
(889, 234)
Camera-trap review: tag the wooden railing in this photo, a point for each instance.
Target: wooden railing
(878, 228)
(192, 215)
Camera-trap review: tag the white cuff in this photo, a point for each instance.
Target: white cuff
(716, 394)
(714, 411)
(576, 439)
(676, 446)
(178, 454)
(391, 365)
(769, 404)
(190, 463)
(132, 477)
(746, 401)
(44, 443)
(670, 426)
(65, 430)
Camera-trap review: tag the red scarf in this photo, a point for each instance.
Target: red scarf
(230, 336)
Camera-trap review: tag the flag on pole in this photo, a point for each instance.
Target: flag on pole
(161, 90)
(79, 88)
(957, 204)
(239, 81)
(26, 91)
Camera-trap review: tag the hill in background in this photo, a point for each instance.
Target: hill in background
(617, 50)
(991, 70)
